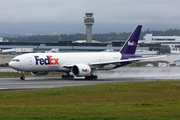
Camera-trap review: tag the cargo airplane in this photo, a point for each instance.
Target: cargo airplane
(78, 64)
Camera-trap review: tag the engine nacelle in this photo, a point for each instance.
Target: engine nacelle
(81, 70)
(39, 73)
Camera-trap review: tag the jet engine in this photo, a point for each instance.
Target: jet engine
(39, 73)
(81, 70)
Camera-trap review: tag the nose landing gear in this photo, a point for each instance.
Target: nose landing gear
(22, 78)
(22, 75)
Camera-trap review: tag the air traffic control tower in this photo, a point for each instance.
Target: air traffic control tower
(89, 21)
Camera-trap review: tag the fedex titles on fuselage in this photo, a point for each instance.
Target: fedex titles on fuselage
(49, 60)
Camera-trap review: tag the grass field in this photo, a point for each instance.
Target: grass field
(134, 100)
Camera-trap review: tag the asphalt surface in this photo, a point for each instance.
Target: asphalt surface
(119, 75)
(49, 82)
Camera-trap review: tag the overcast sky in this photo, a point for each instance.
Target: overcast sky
(153, 14)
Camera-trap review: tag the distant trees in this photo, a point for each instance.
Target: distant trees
(103, 37)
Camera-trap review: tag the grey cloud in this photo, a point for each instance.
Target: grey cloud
(153, 14)
(114, 11)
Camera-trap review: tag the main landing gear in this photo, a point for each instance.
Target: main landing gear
(68, 76)
(92, 77)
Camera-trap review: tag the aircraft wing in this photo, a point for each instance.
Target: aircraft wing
(125, 60)
(68, 65)
(117, 61)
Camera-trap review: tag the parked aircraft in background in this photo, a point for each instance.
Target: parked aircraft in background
(79, 64)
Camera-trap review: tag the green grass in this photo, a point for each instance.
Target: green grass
(135, 100)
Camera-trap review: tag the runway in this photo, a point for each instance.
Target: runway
(119, 75)
(49, 82)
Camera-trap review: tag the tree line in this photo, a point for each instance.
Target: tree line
(104, 37)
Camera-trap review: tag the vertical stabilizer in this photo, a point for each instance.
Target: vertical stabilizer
(131, 43)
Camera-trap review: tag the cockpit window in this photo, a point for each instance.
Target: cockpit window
(17, 60)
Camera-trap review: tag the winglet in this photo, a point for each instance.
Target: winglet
(131, 43)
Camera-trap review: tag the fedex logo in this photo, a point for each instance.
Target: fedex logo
(131, 43)
(85, 70)
(49, 60)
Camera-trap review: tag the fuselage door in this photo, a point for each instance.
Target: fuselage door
(29, 61)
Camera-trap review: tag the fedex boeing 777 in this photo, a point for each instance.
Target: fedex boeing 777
(79, 64)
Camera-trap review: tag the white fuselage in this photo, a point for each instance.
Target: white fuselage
(34, 62)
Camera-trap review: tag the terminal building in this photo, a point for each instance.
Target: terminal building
(1, 39)
(149, 38)
(150, 45)
(165, 42)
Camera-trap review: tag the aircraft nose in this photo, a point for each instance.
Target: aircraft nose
(13, 65)
(10, 64)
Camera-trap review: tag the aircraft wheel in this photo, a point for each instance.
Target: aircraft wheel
(87, 77)
(67, 77)
(71, 77)
(93, 77)
(63, 76)
(22, 78)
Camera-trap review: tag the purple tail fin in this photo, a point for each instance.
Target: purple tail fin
(130, 45)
